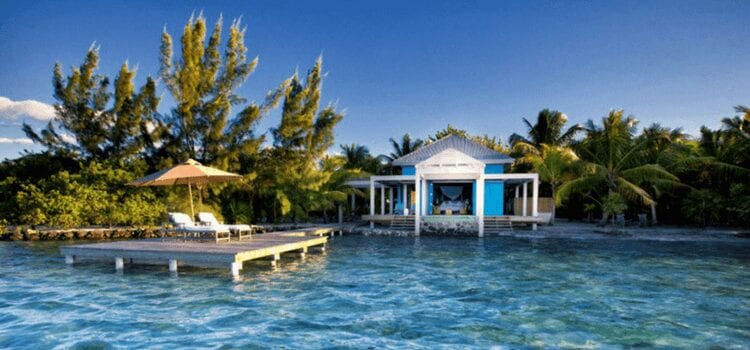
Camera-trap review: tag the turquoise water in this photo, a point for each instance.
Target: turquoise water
(371, 292)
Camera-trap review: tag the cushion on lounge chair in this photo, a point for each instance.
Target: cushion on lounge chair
(209, 219)
(180, 219)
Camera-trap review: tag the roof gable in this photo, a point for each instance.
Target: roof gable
(455, 142)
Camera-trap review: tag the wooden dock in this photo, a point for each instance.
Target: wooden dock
(176, 252)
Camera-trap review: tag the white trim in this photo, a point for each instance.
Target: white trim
(480, 205)
(417, 195)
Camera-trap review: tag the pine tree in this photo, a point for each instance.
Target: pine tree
(203, 84)
(90, 128)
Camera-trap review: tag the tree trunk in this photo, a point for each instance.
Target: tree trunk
(605, 218)
(653, 214)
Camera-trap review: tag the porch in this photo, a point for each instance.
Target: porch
(430, 197)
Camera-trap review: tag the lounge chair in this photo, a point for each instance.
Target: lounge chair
(183, 223)
(242, 231)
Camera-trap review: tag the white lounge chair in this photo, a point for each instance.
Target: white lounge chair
(242, 231)
(183, 223)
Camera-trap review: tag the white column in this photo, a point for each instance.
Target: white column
(424, 198)
(390, 196)
(70, 259)
(372, 202)
(516, 191)
(382, 200)
(480, 205)
(525, 197)
(235, 268)
(417, 205)
(405, 199)
(119, 263)
(172, 265)
(535, 200)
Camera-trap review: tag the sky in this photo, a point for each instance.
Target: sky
(413, 67)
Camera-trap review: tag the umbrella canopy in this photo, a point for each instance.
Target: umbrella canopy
(188, 173)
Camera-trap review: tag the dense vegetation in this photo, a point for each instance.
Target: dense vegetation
(105, 135)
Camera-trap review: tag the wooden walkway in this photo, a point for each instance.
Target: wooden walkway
(176, 252)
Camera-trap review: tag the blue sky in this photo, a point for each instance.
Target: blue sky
(413, 66)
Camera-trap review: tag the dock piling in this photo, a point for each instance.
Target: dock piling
(236, 267)
(201, 254)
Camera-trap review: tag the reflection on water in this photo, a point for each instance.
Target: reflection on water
(391, 293)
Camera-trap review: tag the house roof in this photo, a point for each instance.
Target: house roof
(459, 143)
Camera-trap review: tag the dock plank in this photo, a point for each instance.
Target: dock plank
(192, 253)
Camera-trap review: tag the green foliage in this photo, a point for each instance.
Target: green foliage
(702, 207)
(485, 140)
(549, 129)
(91, 127)
(359, 157)
(203, 85)
(614, 204)
(98, 195)
(611, 162)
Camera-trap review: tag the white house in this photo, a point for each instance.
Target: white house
(455, 182)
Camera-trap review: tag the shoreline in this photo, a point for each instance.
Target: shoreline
(560, 230)
(588, 231)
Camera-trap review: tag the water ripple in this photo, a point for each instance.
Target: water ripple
(402, 293)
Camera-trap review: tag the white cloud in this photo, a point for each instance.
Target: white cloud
(13, 110)
(21, 141)
(68, 138)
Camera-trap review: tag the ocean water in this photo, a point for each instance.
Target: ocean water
(401, 293)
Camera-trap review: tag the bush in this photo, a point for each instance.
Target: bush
(95, 196)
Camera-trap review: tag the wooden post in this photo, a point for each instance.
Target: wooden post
(190, 194)
(70, 259)
(172, 265)
(276, 257)
(119, 263)
(353, 203)
(304, 252)
(235, 268)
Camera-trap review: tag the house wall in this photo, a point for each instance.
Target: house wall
(494, 169)
(494, 192)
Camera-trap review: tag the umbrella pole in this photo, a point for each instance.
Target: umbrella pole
(190, 194)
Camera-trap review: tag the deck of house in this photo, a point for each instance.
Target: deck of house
(230, 255)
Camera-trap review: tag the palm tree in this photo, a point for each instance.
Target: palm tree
(554, 164)
(610, 163)
(359, 157)
(406, 146)
(658, 143)
(547, 130)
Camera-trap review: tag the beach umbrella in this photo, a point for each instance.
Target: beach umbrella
(188, 173)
